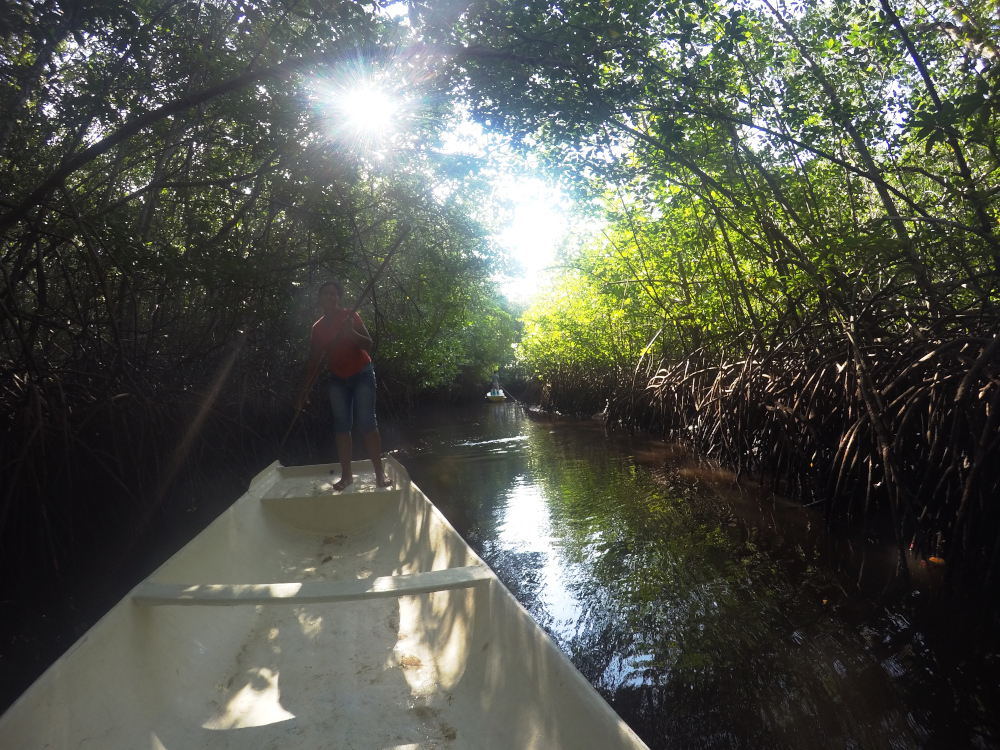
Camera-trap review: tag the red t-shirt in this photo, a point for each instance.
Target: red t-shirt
(345, 357)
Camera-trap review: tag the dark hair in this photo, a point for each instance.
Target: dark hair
(336, 284)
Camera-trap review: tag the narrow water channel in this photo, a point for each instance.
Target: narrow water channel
(707, 614)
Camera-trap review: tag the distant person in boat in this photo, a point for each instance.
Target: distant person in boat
(342, 340)
(496, 383)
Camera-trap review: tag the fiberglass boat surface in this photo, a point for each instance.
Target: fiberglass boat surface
(304, 618)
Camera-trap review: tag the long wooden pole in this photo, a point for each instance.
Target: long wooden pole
(371, 284)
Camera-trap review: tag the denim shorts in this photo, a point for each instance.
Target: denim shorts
(354, 398)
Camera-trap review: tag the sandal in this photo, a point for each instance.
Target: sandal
(343, 484)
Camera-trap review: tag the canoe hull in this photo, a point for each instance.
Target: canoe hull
(458, 665)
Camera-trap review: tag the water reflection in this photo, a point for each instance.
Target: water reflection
(706, 617)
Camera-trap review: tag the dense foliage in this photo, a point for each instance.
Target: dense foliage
(764, 167)
(794, 192)
(177, 178)
(785, 186)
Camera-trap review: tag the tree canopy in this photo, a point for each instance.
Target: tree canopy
(764, 166)
(800, 265)
(777, 180)
(176, 179)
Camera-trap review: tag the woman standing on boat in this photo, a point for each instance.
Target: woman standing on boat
(342, 339)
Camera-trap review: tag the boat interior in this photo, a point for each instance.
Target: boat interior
(306, 618)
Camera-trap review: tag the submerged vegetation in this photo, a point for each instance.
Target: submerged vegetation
(799, 263)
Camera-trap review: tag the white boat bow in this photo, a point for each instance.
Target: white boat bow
(302, 618)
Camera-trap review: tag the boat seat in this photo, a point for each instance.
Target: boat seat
(231, 594)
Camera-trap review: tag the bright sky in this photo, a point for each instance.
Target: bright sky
(539, 213)
(539, 224)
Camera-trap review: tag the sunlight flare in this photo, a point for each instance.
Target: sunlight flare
(368, 109)
(359, 108)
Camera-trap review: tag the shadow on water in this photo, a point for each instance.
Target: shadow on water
(708, 613)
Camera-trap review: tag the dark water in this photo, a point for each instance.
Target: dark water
(709, 615)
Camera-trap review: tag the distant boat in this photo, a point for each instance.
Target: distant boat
(305, 618)
(496, 396)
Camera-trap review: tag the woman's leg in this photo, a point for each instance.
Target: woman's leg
(345, 447)
(341, 398)
(373, 442)
(364, 407)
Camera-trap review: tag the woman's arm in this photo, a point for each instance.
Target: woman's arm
(358, 335)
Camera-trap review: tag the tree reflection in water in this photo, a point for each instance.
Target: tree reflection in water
(706, 618)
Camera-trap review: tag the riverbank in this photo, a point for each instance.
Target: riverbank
(897, 438)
